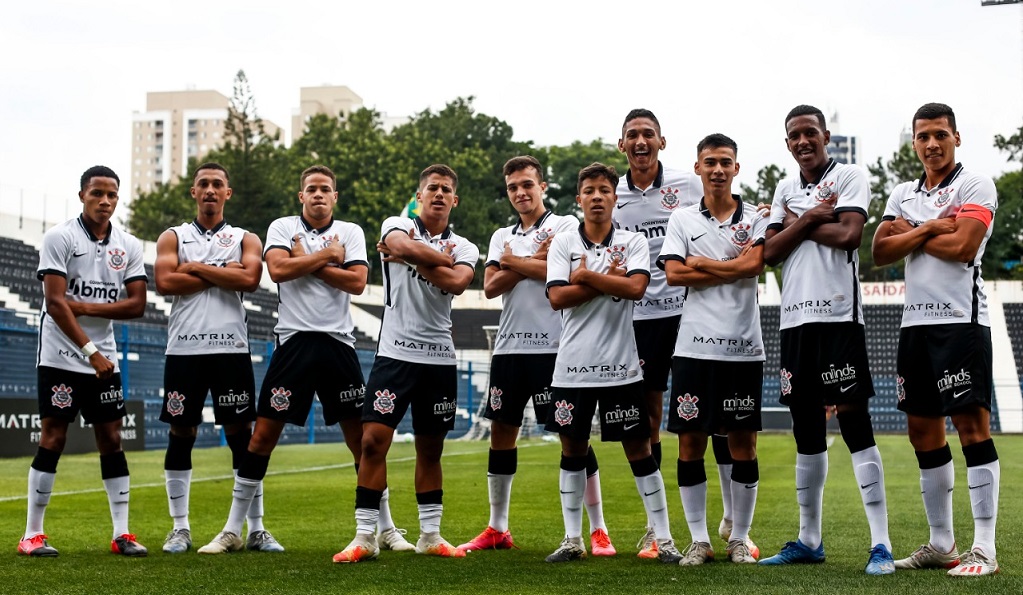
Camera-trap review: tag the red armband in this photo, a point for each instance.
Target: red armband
(976, 212)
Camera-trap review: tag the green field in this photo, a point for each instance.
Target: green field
(310, 497)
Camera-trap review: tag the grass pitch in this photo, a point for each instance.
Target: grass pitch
(310, 493)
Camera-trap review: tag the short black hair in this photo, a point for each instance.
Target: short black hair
(98, 171)
(715, 141)
(641, 113)
(597, 170)
(523, 162)
(807, 110)
(441, 170)
(211, 165)
(933, 111)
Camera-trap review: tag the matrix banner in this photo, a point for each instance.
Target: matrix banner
(20, 428)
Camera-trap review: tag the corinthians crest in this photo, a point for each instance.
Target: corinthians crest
(224, 240)
(900, 388)
(280, 399)
(944, 195)
(825, 191)
(175, 406)
(384, 403)
(669, 198)
(687, 408)
(617, 256)
(741, 234)
(541, 235)
(61, 396)
(116, 260)
(563, 412)
(495, 398)
(786, 384)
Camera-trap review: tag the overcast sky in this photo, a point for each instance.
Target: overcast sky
(72, 73)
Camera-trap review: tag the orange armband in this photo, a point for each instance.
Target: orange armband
(976, 212)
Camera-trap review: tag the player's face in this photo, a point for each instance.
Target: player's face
(641, 141)
(99, 199)
(808, 142)
(437, 196)
(935, 143)
(717, 167)
(525, 191)
(210, 191)
(597, 197)
(318, 198)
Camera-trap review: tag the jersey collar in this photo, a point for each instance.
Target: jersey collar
(426, 233)
(657, 180)
(586, 241)
(309, 226)
(736, 216)
(827, 170)
(944, 183)
(88, 232)
(203, 230)
(518, 226)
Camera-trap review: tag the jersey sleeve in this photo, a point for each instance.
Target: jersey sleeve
(466, 253)
(136, 269)
(566, 224)
(355, 247)
(777, 209)
(979, 191)
(559, 261)
(893, 209)
(496, 248)
(54, 255)
(277, 236)
(637, 261)
(855, 192)
(760, 225)
(694, 190)
(395, 223)
(674, 247)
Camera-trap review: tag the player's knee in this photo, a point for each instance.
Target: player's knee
(972, 426)
(108, 437)
(189, 431)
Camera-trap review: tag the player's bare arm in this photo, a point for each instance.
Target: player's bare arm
(351, 279)
(614, 282)
(844, 234)
(170, 281)
(244, 277)
(287, 265)
(679, 273)
(59, 309)
(750, 263)
(498, 280)
(961, 245)
(796, 229)
(399, 245)
(454, 280)
(896, 239)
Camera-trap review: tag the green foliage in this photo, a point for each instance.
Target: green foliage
(1006, 241)
(1013, 145)
(563, 165)
(767, 181)
(903, 166)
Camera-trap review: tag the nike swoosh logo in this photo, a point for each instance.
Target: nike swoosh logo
(188, 241)
(803, 488)
(651, 493)
(629, 427)
(738, 417)
(624, 204)
(957, 395)
(240, 409)
(694, 238)
(980, 486)
(237, 491)
(125, 492)
(575, 258)
(863, 487)
(177, 497)
(42, 492)
(449, 418)
(77, 255)
(750, 487)
(120, 405)
(564, 492)
(847, 388)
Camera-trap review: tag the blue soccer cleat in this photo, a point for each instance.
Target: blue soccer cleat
(795, 552)
(881, 561)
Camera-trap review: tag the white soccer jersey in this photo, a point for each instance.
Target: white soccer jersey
(528, 323)
(943, 291)
(820, 283)
(212, 320)
(416, 324)
(96, 272)
(720, 322)
(646, 211)
(309, 303)
(598, 346)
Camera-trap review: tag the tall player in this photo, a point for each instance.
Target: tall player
(941, 225)
(425, 265)
(92, 273)
(593, 276)
(527, 342)
(206, 265)
(715, 250)
(816, 228)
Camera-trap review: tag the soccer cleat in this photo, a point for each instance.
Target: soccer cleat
(394, 539)
(647, 544)
(432, 544)
(262, 541)
(600, 543)
(795, 552)
(178, 541)
(489, 539)
(696, 553)
(126, 545)
(881, 561)
(975, 563)
(571, 548)
(725, 533)
(36, 546)
(363, 547)
(667, 553)
(224, 542)
(739, 552)
(926, 556)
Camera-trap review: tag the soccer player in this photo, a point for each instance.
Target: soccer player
(318, 263)
(593, 277)
(941, 224)
(425, 265)
(528, 337)
(207, 265)
(816, 227)
(647, 195)
(715, 250)
(92, 273)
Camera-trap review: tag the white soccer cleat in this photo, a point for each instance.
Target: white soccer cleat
(394, 539)
(224, 542)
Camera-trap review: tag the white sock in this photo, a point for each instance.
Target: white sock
(594, 506)
(244, 490)
(869, 473)
(651, 490)
(118, 489)
(500, 498)
(385, 522)
(429, 517)
(572, 485)
(725, 479)
(744, 501)
(179, 483)
(40, 486)
(936, 488)
(254, 516)
(983, 481)
(811, 473)
(694, 505)
(366, 520)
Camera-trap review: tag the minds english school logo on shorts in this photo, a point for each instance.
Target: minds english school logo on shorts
(944, 195)
(495, 398)
(563, 412)
(687, 408)
(669, 198)
(825, 191)
(61, 396)
(116, 260)
(786, 382)
(224, 240)
(384, 403)
(741, 234)
(280, 398)
(175, 404)
(616, 256)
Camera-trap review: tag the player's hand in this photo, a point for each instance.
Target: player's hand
(104, 367)
(824, 212)
(577, 277)
(297, 248)
(541, 251)
(506, 256)
(937, 227)
(899, 226)
(764, 209)
(186, 268)
(616, 271)
(336, 249)
(790, 217)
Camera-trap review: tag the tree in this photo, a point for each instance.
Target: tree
(563, 165)
(903, 166)
(1012, 145)
(767, 181)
